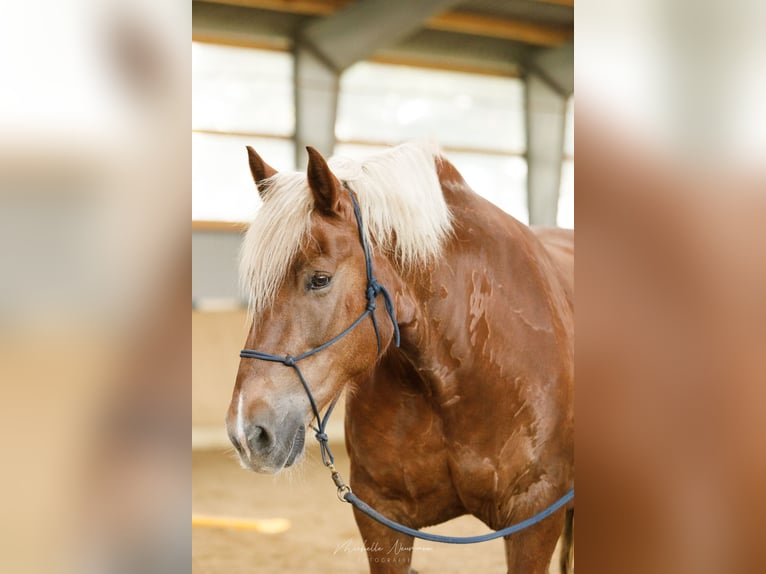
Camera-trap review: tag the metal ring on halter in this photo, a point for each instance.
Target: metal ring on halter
(343, 491)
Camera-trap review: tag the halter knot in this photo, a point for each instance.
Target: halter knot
(288, 362)
(321, 436)
(373, 290)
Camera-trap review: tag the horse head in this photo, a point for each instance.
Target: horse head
(305, 265)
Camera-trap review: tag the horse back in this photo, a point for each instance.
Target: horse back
(559, 243)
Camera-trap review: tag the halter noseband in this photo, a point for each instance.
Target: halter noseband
(373, 290)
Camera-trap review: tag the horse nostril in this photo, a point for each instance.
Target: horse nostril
(259, 440)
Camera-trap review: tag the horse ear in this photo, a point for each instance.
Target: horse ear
(260, 170)
(324, 185)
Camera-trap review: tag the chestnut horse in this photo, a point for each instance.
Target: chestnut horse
(473, 413)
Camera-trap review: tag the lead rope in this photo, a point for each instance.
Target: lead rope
(344, 491)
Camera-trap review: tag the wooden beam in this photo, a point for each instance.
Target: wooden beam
(567, 3)
(225, 226)
(306, 7)
(243, 134)
(447, 65)
(504, 28)
(274, 45)
(412, 61)
(461, 22)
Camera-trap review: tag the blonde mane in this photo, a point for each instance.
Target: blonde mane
(402, 206)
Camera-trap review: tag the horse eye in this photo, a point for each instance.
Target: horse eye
(320, 281)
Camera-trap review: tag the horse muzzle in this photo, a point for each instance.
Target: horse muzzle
(265, 447)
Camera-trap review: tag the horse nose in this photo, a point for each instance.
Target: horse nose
(260, 440)
(253, 439)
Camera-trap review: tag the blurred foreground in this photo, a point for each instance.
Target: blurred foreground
(671, 277)
(94, 287)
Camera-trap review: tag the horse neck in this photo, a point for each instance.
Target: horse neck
(435, 301)
(414, 295)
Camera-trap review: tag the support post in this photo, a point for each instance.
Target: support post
(549, 83)
(317, 85)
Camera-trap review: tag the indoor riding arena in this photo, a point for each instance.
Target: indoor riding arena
(490, 82)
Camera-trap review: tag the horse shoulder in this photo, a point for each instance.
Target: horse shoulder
(397, 448)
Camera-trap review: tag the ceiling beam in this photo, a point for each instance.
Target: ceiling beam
(452, 21)
(392, 58)
(567, 3)
(356, 32)
(503, 28)
(555, 66)
(306, 7)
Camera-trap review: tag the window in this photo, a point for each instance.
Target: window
(478, 121)
(244, 96)
(241, 96)
(242, 90)
(222, 187)
(384, 103)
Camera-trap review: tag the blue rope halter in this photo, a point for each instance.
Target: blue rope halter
(344, 491)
